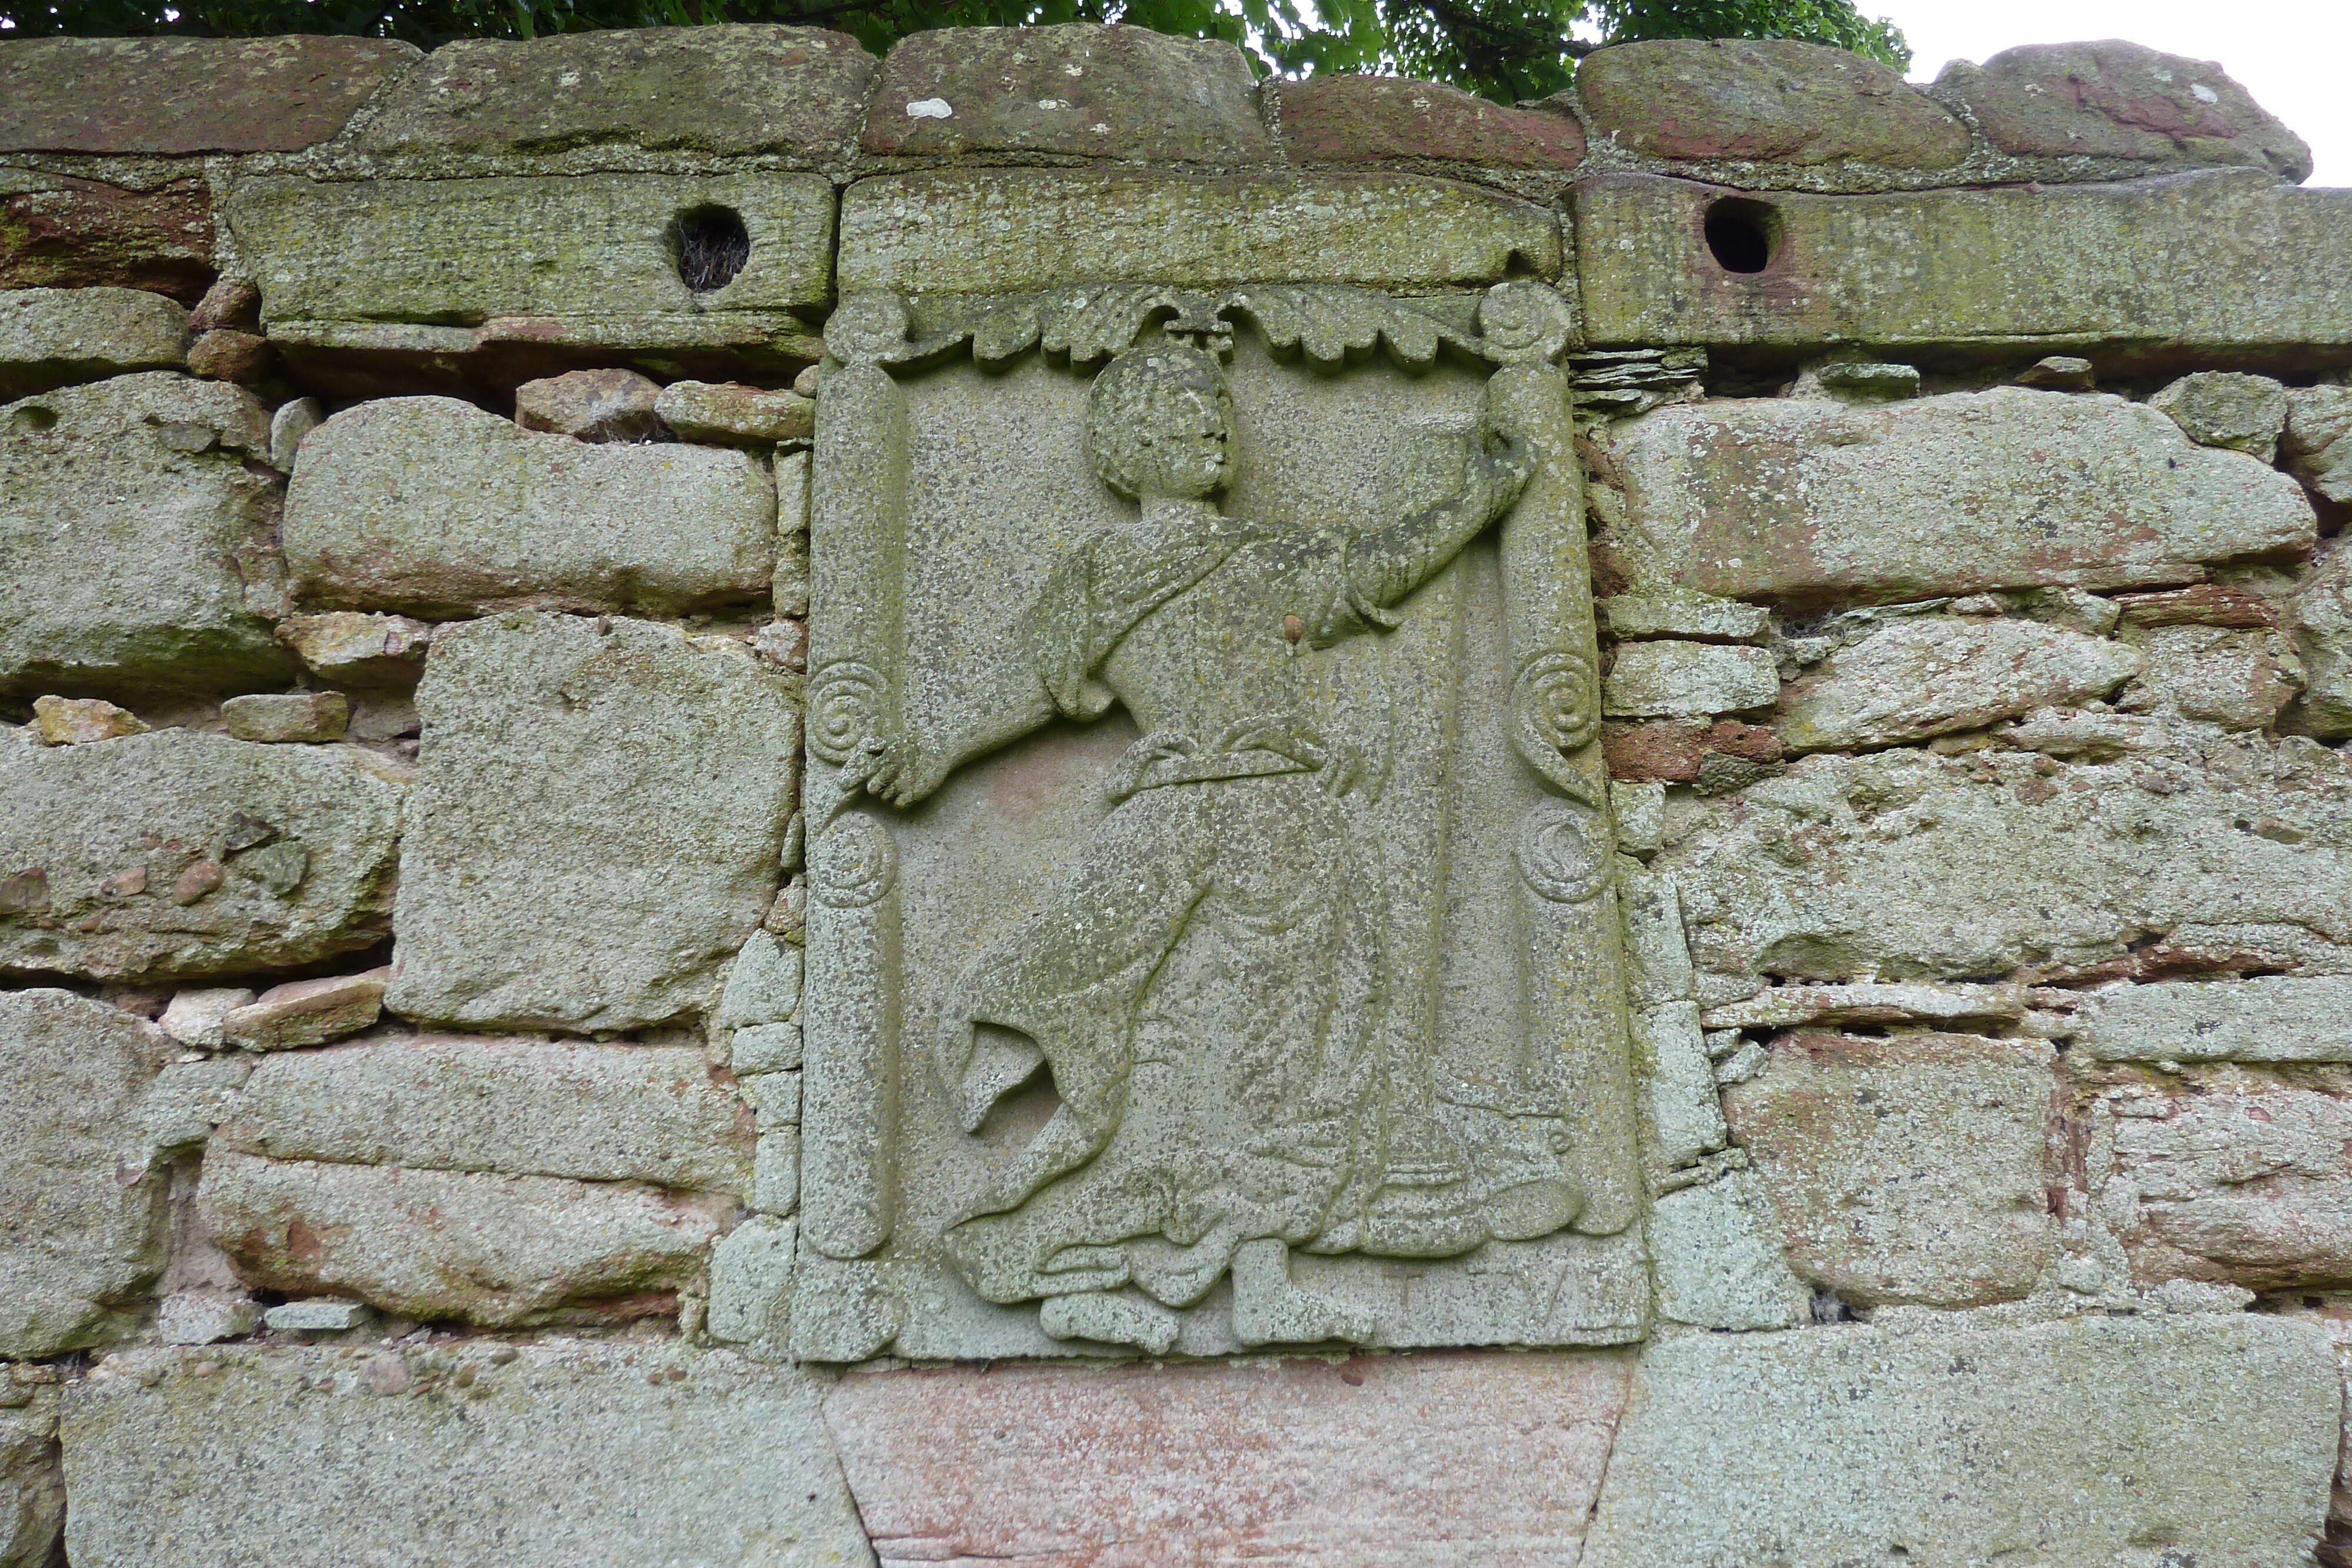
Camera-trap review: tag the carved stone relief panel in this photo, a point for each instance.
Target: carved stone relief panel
(1211, 941)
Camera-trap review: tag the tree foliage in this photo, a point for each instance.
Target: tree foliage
(1505, 49)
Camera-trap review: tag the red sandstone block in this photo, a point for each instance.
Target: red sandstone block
(1361, 119)
(186, 95)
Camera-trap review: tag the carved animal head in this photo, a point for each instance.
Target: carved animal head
(1160, 422)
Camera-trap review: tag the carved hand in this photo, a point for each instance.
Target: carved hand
(894, 770)
(1504, 474)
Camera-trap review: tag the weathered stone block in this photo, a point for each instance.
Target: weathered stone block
(186, 95)
(592, 1113)
(735, 415)
(1910, 1169)
(795, 93)
(2006, 488)
(1095, 92)
(554, 753)
(1936, 673)
(750, 1281)
(2318, 420)
(82, 721)
(82, 1230)
(1687, 678)
(432, 507)
(353, 648)
(320, 1314)
(205, 1316)
(1685, 1121)
(307, 1012)
(2217, 674)
(2223, 408)
(2249, 1185)
(1384, 1460)
(288, 717)
(488, 1249)
(54, 336)
(141, 542)
(179, 854)
(32, 1485)
(2067, 1442)
(636, 1456)
(591, 405)
(2322, 618)
(58, 232)
(2275, 1018)
(1716, 1250)
(2120, 100)
(1679, 612)
(2201, 263)
(1774, 101)
(1369, 119)
(1004, 231)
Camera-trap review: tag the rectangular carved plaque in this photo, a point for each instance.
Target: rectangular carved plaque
(1211, 941)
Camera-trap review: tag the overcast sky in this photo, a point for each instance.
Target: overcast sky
(2293, 55)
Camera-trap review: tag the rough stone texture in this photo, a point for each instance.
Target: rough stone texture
(2074, 1442)
(194, 1016)
(591, 1113)
(206, 1317)
(1007, 230)
(1764, 100)
(1373, 1462)
(735, 415)
(2249, 1185)
(2276, 1017)
(431, 506)
(751, 1280)
(79, 721)
(2005, 488)
(2048, 269)
(794, 93)
(1687, 678)
(1682, 751)
(58, 232)
(553, 754)
(222, 355)
(288, 851)
(1899, 865)
(2237, 679)
(126, 507)
(1780, 1007)
(2318, 420)
(2322, 617)
(54, 336)
(637, 1455)
(82, 1230)
(488, 1248)
(284, 718)
(2118, 99)
(590, 405)
(1715, 1249)
(1913, 1169)
(307, 1012)
(355, 649)
(186, 95)
(2223, 408)
(1915, 678)
(1365, 118)
(321, 1314)
(32, 1486)
(1679, 612)
(1082, 88)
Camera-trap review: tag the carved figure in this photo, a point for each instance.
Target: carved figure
(1208, 985)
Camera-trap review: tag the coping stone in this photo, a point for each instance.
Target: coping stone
(186, 95)
(1369, 119)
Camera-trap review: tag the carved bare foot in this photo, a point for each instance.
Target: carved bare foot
(1113, 1320)
(1269, 1309)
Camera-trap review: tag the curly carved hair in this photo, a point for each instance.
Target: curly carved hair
(1142, 400)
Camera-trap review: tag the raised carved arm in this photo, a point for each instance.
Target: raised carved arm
(1386, 564)
(900, 770)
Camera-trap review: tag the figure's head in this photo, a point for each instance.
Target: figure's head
(1159, 422)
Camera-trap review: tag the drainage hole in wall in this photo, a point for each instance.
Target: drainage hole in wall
(711, 245)
(1742, 234)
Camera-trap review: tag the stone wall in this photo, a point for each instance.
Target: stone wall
(1792, 804)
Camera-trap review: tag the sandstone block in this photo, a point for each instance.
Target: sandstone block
(522, 1107)
(735, 415)
(1936, 673)
(142, 543)
(58, 232)
(79, 721)
(281, 718)
(2222, 408)
(1911, 1169)
(2318, 420)
(320, 1314)
(32, 1485)
(307, 1012)
(287, 427)
(1006, 230)
(1773, 100)
(794, 93)
(2203, 604)
(1683, 751)
(2066, 1442)
(431, 506)
(497, 1249)
(2322, 618)
(195, 1016)
(206, 1317)
(179, 854)
(55, 337)
(82, 1230)
(1715, 1249)
(1679, 612)
(355, 649)
(187, 95)
(1095, 92)
(1782, 1006)
(2250, 1187)
(2237, 679)
(2224, 262)
(1999, 489)
(764, 984)
(636, 1456)
(1685, 678)
(2275, 1018)
(591, 405)
(1685, 1122)
(776, 1171)
(230, 302)
(752, 1280)
(1378, 1460)
(765, 1048)
(553, 754)
(1370, 119)
(2121, 100)
(223, 355)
